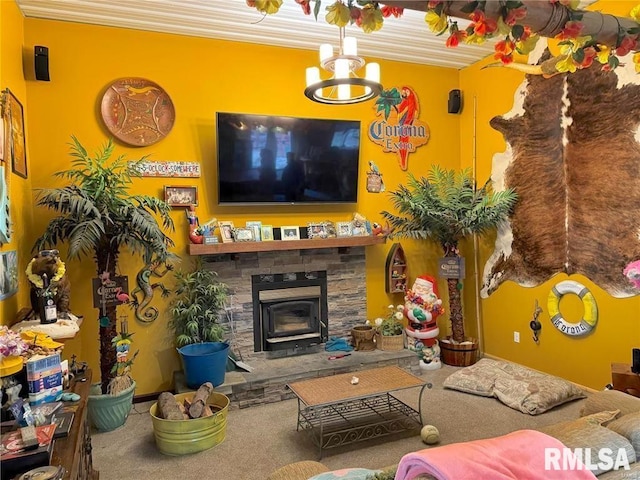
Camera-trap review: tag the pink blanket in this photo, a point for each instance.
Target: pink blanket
(519, 455)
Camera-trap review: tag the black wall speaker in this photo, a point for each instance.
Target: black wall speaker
(42, 63)
(455, 101)
(635, 365)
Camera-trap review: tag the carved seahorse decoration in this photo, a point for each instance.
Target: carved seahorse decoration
(144, 312)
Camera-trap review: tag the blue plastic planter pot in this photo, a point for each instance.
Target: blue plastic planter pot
(204, 362)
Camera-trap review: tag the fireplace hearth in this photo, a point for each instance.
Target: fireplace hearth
(289, 310)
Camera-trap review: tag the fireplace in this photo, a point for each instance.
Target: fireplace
(289, 310)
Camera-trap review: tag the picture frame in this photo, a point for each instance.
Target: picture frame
(266, 233)
(256, 227)
(8, 274)
(181, 196)
(359, 229)
(344, 229)
(226, 231)
(15, 145)
(290, 232)
(318, 230)
(243, 234)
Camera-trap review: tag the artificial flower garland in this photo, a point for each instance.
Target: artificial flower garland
(576, 51)
(61, 269)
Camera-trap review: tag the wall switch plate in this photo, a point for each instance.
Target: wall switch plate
(516, 337)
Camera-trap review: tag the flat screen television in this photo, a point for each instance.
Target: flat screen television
(264, 159)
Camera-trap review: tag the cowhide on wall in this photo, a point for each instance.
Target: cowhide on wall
(573, 157)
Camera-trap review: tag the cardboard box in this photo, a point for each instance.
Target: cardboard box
(44, 376)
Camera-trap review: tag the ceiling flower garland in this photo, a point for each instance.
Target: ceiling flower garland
(576, 50)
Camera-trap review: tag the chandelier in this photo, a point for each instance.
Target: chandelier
(344, 86)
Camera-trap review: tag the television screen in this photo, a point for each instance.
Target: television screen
(273, 159)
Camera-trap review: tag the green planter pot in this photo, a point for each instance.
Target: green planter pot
(108, 412)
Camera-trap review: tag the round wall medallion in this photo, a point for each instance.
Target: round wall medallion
(137, 111)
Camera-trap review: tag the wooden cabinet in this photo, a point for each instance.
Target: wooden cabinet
(396, 273)
(624, 379)
(73, 452)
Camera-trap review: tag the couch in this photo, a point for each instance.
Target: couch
(609, 419)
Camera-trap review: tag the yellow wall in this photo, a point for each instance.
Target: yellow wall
(203, 76)
(11, 77)
(585, 360)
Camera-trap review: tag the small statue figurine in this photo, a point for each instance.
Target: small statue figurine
(48, 262)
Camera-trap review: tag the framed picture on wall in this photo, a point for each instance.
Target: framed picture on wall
(178, 196)
(290, 232)
(16, 143)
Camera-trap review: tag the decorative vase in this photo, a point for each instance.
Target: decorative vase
(204, 362)
(363, 337)
(108, 412)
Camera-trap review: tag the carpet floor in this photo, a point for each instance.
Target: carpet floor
(263, 438)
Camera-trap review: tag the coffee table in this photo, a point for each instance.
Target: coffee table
(335, 412)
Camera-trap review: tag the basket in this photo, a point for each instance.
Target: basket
(363, 337)
(390, 343)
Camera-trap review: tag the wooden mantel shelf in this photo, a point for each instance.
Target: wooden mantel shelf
(276, 245)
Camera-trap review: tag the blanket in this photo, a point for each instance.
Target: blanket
(517, 456)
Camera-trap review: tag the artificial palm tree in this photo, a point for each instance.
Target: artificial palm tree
(446, 207)
(99, 217)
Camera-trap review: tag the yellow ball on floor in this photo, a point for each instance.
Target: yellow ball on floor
(430, 434)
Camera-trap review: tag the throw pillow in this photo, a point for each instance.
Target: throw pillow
(346, 474)
(477, 379)
(629, 427)
(611, 400)
(590, 437)
(535, 394)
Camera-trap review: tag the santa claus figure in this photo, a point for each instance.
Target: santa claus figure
(422, 307)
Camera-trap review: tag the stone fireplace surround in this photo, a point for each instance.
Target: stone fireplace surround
(346, 288)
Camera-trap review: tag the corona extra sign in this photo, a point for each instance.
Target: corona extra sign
(397, 127)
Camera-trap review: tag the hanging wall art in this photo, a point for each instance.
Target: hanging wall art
(137, 111)
(397, 128)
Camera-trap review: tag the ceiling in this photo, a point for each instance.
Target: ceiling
(406, 39)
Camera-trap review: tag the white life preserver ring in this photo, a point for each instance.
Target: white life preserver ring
(590, 317)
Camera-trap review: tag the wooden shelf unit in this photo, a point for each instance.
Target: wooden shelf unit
(396, 272)
(278, 245)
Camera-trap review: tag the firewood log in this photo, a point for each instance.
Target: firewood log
(200, 400)
(207, 411)
(168, 407)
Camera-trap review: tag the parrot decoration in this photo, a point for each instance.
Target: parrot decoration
(407, 112)
(375, 184)
(399, 130)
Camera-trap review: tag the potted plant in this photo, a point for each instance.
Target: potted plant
(99, 218)
(447, 207)
(389, 330)
(195, 322)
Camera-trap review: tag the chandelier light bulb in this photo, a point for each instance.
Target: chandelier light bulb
(372, 73)
(326, 51)
(350, 46)
(313, 75)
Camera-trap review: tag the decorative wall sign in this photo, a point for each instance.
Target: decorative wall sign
(167, 169)
(374, 179)
(590, 318)
(106, 292)
(8, 274)
(137, 111)
(451, 267)
(15, 144)
(397, 128)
